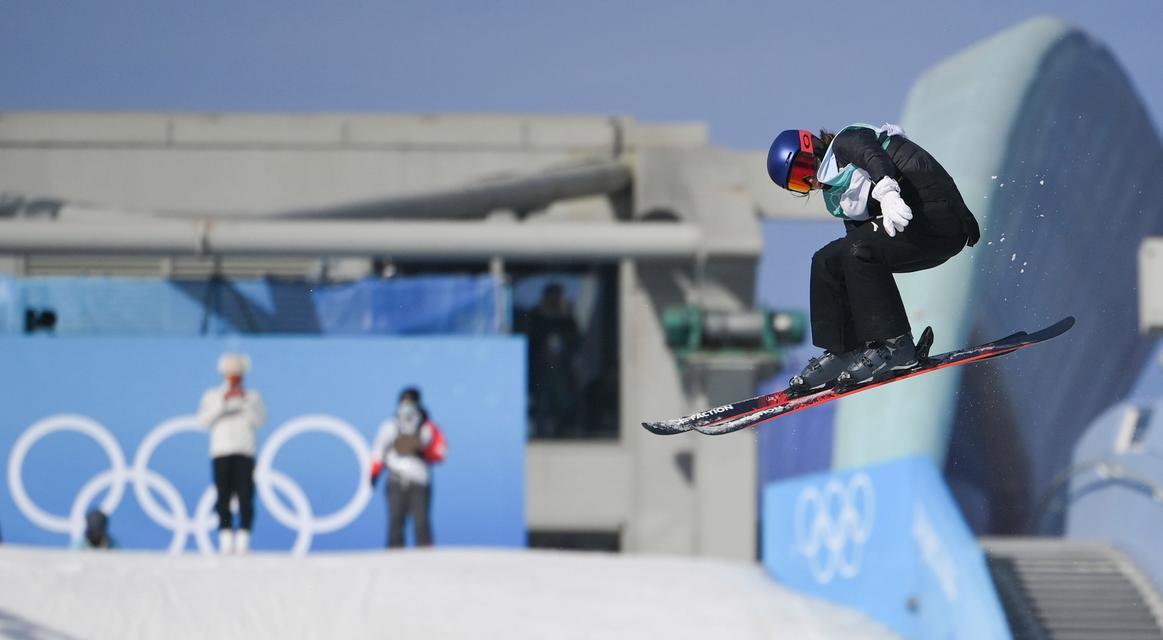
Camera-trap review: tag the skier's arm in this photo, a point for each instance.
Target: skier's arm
(858, 146)
(256, 411)
(384, 438)
(210, 409)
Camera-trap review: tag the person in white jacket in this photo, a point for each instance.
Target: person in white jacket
(398, 448)
(233, 414)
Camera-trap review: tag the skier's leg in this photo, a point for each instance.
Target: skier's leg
(832, 325)
(244, 485)
(420, 501)
(832, 321)
(397, 509)
(873, 297)
(876, 303)
(222, 486)
(869, 265)
(388, 503)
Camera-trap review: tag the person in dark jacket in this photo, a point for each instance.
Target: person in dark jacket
(902, 213)
(96, 532)
(554, 340)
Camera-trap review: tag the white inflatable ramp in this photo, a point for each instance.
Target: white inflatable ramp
(429, 594)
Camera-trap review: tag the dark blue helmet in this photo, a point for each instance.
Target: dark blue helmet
(791, 159)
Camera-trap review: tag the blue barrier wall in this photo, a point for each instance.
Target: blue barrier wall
(72, 404)
(412, 305)
(885, 539)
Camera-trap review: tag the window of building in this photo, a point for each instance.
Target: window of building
(570, 319)
(575, 540)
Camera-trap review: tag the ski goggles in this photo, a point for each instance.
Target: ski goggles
(802, 174)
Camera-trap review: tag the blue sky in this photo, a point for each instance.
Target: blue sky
(748, 68)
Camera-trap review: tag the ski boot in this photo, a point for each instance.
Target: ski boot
(822, 371)
(880, 360)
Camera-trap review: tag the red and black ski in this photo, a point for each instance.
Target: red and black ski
(748, 413)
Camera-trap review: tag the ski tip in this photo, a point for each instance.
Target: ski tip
(662, 428)
(1023, 338)
(1056, 329)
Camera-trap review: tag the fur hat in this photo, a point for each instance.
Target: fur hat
(233, 364)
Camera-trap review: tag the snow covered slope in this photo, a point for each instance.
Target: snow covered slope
(437, 594)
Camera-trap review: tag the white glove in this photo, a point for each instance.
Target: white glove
(896, 213)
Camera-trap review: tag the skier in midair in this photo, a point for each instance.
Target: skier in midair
(902, 212)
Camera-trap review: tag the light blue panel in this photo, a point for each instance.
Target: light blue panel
(337, 390)
(412, 305)
(885, 539)
(111, 306)
(1118, 471)
(10, 309)
(1150, 380)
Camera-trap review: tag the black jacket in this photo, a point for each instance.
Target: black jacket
(929, 190)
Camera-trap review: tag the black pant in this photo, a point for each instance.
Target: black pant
(854, 297)
(234, 476)
(404, 499)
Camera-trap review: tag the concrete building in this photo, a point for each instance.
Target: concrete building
(675, 220)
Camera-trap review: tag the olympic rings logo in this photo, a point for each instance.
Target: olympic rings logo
(175, 515)
(832, 525)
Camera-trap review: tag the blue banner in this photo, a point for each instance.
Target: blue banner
(411, 305)
(885, 539)
(109, 423)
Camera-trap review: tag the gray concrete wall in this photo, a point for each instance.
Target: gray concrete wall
(686, 494)
(257, 164)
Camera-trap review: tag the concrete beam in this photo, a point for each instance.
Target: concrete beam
(467, 241)
(520, 193)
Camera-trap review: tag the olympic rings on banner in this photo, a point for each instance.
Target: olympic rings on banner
(833, 524)
(171, 512)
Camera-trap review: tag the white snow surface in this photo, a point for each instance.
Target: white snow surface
(438, 594)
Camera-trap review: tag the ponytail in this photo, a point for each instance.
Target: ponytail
(825, 141)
